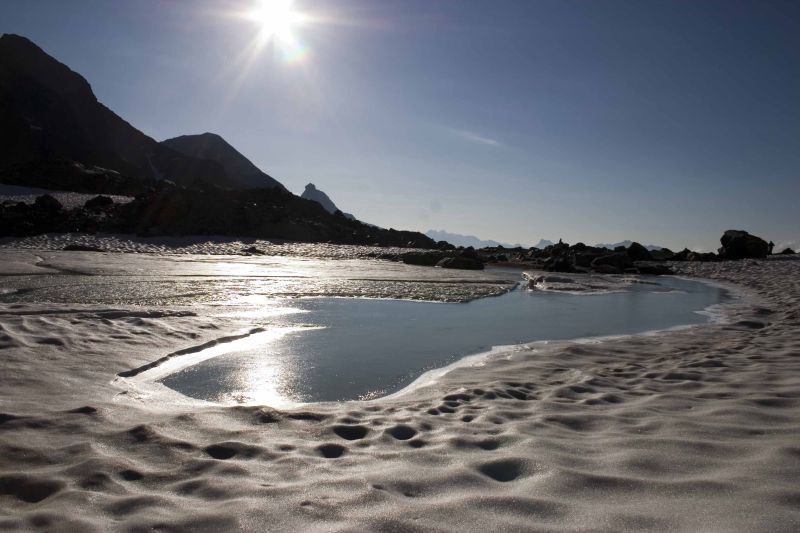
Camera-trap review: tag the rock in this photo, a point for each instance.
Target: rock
(637, 252)
(738, 244)
(701, 256)
(47, 203)
(469, 252)
(252, 250)
(558, 258)
(683, 255)
(619, 260)
(98, 203)
(787, 251)
(462, 263)
(82, 248)
(607, 269)
(664, 254)
(653, 269)
(421, 258)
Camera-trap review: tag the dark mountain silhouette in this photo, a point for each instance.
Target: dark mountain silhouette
(316, 195)
(238, 168)
(54, 134)
(49, 113)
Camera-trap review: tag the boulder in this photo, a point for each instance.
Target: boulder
(637, 252)
(560, 259)
(618, 260)
(82, 248)
(738, 244)
(462, 263)
(46, 202)
(252, 250)
(787, 251)
(469, 252)
(701, 256)
(421, 258)
(606, 269)
(653, 269)
(664, 254)
(683, 255)
(98, 203)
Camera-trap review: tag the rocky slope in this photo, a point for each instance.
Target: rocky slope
(242, 172)
(48, 113)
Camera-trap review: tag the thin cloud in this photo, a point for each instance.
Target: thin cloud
(474, 137)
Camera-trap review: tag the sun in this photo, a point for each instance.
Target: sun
(278, 19)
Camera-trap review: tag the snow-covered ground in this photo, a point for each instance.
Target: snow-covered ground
(691, 430)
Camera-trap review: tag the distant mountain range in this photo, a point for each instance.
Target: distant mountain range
(626, 244)
(316, 195)
(457, 239)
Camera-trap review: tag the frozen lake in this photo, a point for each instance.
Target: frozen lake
(323, 329)
(349, 348)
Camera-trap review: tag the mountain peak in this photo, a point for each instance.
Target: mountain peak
(240, 170)
(316, 195)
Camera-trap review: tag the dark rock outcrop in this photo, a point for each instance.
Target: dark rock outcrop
(47, 204)
(702, 256)
(787, 251)
(82, 248)
(421, 258)
(99, 203)
(653, 269)
(637, 252)
(618, 260)
(738, 244)
(463, 263)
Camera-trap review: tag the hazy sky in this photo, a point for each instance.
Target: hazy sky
(663, 122)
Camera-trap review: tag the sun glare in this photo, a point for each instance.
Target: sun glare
(278, 19)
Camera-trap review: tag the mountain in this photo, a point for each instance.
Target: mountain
(543, 243)
(457, 239)
(49, 113)
(211, 146)
(626, 244)
(316, 195)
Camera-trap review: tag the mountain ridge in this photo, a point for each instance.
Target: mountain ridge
(214, 147)
(48, 112)
(458, 239)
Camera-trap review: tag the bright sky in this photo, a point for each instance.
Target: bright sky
(662, 122)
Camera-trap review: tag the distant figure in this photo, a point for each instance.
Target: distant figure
(560, 241)
(771, 246)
